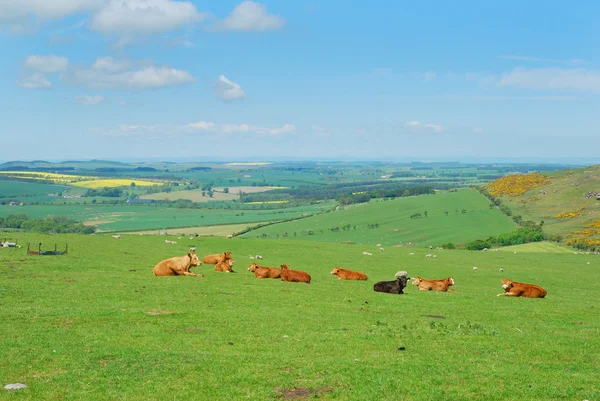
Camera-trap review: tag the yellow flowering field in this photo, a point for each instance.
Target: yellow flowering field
(516, 184)
(114, 183)
(37, 175)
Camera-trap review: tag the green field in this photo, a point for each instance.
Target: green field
(395, 225)
(28, 192)
(546, 247)
(143, 217)
(96, 325)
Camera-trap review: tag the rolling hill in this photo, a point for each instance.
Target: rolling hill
(456, 217)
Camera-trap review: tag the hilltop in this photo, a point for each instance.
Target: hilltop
(565, 202)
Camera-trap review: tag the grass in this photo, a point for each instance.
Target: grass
(221, 230)
(192, 195)
(95, 324)
(10, 189)
(395, 225)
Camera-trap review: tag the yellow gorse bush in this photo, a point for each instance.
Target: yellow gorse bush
(570, 215)
(516, 184)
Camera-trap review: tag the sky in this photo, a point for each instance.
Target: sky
(330, 79)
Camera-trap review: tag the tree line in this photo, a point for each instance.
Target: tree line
(53, 224)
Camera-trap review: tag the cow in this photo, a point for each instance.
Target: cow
(434, 285)
(178, 266)
(343, 274)
(225, 266)
(391, 287)
(216, 258)
(264, 272)
(514, 289)
(294, 275)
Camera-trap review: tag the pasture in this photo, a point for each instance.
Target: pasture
(389, 222)
(96, 324)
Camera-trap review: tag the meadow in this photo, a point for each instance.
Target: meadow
(389, 222)
(96, 325)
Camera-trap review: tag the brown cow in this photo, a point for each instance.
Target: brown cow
(434, 285)
(514, 289)
(264, 272)
(216, 258)
(343, 274)
(178, 266)
(225, 266)
(294, 275)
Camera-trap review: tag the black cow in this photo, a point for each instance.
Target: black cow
(391, 287)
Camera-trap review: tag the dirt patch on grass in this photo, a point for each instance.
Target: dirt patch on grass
(300, 393)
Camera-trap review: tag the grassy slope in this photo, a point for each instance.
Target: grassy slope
(135, 218)
(564, 194)
(75, 327)
(479, 222)
(544, 246)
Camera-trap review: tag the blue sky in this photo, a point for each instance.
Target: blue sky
(327, 79)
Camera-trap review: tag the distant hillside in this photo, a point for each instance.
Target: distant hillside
(455, 217)
(41, 165)
(566, 203)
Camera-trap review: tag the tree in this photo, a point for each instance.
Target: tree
(132, 185)
(226, 190)
(425, 213)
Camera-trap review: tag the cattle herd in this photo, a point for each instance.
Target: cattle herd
(181, 266)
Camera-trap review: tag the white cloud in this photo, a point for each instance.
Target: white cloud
(35, 81)
(88, 100)
(426, 76)
(228, 90)
(197, 127)
(110, 65)
(577, 79)
(130, 17)
(250, 16)
(418, 124)
(107, 73)
(48, 64)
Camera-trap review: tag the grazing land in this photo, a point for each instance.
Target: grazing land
(95, 324)
(194, 195)
(444, 217)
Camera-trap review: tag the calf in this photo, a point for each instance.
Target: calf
(343, 274)
(434, 285)
(391, 287)
(264, 272)
(294, 275)
(514, 289)
(216, 258)
(225, 266)
(178, 266)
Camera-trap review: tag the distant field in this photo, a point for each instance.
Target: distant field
(545, 247)
(389, 222)
(24, 189)
(247, 189)
(222, 230)
(145, 217)
(109, 183)
(192, 195)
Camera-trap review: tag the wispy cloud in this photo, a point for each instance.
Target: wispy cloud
(50, 63)
(417, 124)
(250, 16)
(88, 100)
(541, 59)
(576, 79)
(199, 127)
(228, 90)
(320, 131)
(35, 81)
(427, 76)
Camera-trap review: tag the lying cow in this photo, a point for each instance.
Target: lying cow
(264, 272)
(514, 289)
(343, 274)
(434, 285)
(216, 258)
(391, 287)
(225, 266)
(294, 275)
(178, 266)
